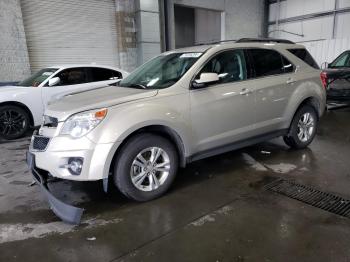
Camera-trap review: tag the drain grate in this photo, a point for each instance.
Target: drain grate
(309, 195)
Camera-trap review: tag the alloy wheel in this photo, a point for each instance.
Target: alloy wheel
(150, 169)
(12, 122)
(306, 127)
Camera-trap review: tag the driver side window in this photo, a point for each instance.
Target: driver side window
(72, 76)
(229, 65)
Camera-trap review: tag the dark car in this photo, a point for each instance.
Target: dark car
(337, 79)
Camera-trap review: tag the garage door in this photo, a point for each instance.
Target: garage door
(70, 32)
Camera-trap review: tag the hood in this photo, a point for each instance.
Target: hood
(10, 88)
(94, 99)
(14, 93)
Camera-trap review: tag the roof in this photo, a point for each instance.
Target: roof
(83, 65)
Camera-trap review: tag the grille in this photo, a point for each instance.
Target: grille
(312, 196)
(40, 143)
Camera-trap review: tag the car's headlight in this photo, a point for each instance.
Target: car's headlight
(82, 123)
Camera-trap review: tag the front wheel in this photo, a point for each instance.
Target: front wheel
(303, 128)
(14, 122)
(145, 167)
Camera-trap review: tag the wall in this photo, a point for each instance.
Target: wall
(321, 25)
(240, 18)
(244, 18)
(14, 62)
(208, 26)
(184, 26)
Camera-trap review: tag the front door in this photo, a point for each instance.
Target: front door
(71, 79)
(223, 112)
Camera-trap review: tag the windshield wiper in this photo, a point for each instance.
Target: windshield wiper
(139, 86)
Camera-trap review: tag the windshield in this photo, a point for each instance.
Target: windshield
(39, 77)
(341, 61)
(161, 72)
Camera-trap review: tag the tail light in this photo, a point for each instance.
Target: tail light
(324, 79)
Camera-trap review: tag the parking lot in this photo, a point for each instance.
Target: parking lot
(219, 205)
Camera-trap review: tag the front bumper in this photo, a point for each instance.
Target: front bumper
(96, 158)
(67, 213)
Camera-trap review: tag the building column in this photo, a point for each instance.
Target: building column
(126, 34)
(148, 29)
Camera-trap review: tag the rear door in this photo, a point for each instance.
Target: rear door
(274, 83)
(103, 76)
(223, 112)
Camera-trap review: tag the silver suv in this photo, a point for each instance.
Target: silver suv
(181, 106)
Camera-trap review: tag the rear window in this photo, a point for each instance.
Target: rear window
(304, 55)
(103, 74)
(266, 62)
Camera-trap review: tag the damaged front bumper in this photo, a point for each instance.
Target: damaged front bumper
(68, 213)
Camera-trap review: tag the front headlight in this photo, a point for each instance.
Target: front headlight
(82, 123)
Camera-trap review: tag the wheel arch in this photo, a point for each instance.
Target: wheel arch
(161, 130)
(22, 106)
(313, 102)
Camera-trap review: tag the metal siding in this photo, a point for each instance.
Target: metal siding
(292, 8)
(343, 3)
(66, 32)
(327, 50)
(319, 38)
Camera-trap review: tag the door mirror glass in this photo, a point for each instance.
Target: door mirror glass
(324, 65)
(54, 81)
(205, 78)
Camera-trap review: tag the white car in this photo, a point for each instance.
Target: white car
(22, 106)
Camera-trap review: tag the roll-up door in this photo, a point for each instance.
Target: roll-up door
(70, 32)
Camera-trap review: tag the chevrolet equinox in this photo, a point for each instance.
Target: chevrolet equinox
(181, 106)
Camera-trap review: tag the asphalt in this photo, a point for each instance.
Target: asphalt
(217, 210)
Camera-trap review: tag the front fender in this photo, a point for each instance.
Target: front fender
(28, 97)
(123, 120)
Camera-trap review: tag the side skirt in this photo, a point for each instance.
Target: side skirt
(236, 145)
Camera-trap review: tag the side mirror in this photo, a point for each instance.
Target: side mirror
(54, 81)
(324, 65)
(205, 78)
(114, 78)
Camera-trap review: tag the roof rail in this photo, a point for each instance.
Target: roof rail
(217, 42)
(264, 40)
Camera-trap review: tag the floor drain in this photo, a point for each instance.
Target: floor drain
(309, 195)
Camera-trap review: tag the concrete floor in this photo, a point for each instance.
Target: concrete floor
(216, 211)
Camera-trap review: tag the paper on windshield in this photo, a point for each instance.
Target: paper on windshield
(190, 55)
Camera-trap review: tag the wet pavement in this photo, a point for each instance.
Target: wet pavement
(217, 210)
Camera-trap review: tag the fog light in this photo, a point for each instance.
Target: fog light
(75, 165)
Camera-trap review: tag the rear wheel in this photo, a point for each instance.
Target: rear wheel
(14, 122)
(145, 167)
(303, 128)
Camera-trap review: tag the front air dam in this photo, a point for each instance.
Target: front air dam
(68, 213)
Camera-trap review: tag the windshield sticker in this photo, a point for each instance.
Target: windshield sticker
(190, 55)
(47, 73)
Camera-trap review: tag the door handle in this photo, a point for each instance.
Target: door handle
(290, 81)
(245, 91)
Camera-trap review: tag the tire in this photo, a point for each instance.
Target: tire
(14, 122)
(303, 128)
(135, 172)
